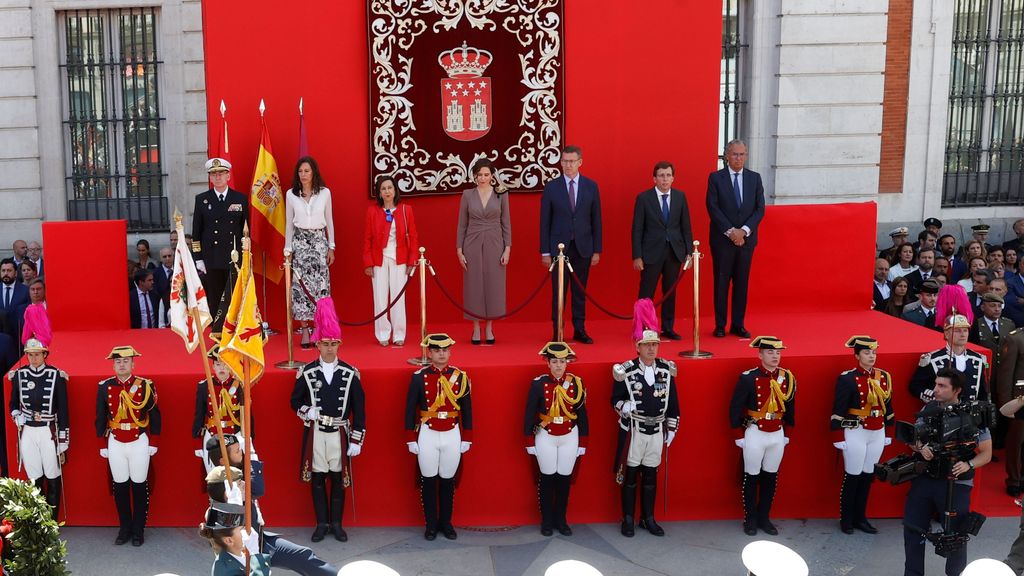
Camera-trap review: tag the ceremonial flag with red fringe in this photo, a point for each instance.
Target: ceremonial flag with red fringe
(268, 212)
(187, 293)
(241, 338)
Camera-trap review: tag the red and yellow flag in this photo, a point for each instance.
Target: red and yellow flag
(241, 339)
(268, 212)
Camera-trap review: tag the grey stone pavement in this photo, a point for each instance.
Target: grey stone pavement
(689, 548)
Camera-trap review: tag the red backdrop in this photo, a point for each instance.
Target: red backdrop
(637, 91)
(79, 294)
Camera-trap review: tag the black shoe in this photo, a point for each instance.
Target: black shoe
(546, 531)
(582, 338)
(671, 335)
(846, 529)
(339, 533)
(138, 540)
(564, 530)
(719, 333)
(652, 526)
(749, 529)
(741, 332)
(489, 341)
(430, 534)
(865, 526)
(627, 527)
(475, 341)
(320, 532)
(449, 532)
(1013, 491)
(768, 528)
(122, 538)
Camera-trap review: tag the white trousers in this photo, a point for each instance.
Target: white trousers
(863, 449)
(645, 449)
(556, 454)
(439, 452)
(206, 455)
(128, 459)
(387, 281)
(762, 450)
(38, 452)
(326, 451)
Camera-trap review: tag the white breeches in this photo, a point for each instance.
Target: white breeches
(645, 449)
(387, 282)
(556, 454)
(39, 452)
(863, 449)
(327, 452)
(206, 455)
(762, 450)
(439, 452)
(128, 459)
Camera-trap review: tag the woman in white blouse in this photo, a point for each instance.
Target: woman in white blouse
(309, 239)
(904, 265)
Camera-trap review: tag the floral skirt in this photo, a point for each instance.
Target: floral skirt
(309, 265)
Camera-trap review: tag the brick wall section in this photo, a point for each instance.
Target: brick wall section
(894, 103)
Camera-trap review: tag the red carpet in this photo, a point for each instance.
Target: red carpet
(496, 485)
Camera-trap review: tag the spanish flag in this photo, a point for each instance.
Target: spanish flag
(241, 339)
(268, 212)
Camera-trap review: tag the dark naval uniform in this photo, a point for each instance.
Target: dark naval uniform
(861, 412)
(642, 433)
(761, 403)
(216, 231)
(556, 427)
(127, 416)
(439, 422)
(230, 398)
(333, 409)
(971, 364)
(39, 407)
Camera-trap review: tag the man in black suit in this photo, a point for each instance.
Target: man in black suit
(13, 301)
(735, 204)
(162, 277)
(922, 311)
(980, 280)
(1016, 243)
(570, 214)
(662, 241)
(882, 289)
(219, 215)
(925, 270)
(144, 302)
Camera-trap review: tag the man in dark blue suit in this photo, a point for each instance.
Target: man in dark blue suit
(162, 281)
(144, 302)
(662, 241)
(736, 205)
(570, 214)
(13, 300)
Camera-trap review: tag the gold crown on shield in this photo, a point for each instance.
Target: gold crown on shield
(464, 62)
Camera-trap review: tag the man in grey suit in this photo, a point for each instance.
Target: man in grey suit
(922, 312)
(662, 241)
(570, 214)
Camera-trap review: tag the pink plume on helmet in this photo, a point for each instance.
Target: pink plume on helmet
(951, 297)
(326, 321)
(37, 325)
(644, 318)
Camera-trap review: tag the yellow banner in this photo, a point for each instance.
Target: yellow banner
(242, 336)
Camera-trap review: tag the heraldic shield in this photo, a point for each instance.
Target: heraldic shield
(465, 93)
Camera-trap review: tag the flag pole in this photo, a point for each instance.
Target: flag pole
(247, 413)
(291, 363)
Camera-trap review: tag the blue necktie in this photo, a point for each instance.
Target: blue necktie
(664, 207)
(736, 190)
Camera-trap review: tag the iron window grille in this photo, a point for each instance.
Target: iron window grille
(984, 164)
(109, 69)
(733, 105)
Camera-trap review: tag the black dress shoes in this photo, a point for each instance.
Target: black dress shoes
(749, 529)
(546, 531)
(339, 533)
(582, 338)
(865, 526)
(320, 532)
(122, 538)
(651, 526)
(627, 527)
(138, 540)
(671, 335)
(740, 331)
(768, 528)
(430, 534)
(564, 530)
(449, 532)
(719, 333)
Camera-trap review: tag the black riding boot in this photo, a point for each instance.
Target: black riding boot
(53, 486)
(648, 494)
(140, 511)
(545, 497)
(338, 506)
(769, 482)
(860, 519)
(847, 502)
(123, 502)
(628, 501)
(446, 503)
(561, 505)
(750, 504)
(318, 483)
(428, 497)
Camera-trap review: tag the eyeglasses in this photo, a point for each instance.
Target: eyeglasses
(387, 216)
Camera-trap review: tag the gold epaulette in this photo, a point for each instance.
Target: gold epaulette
(64, 375)
(672, 369)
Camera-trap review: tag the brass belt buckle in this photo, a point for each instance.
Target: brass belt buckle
(558, 420)
(769, 416)
(442, 415)
(876, 413)
(126, 426)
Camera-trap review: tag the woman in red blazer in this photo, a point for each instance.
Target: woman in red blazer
(390, 246)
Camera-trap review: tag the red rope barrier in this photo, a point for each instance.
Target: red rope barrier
(533, 295)
(597, 304)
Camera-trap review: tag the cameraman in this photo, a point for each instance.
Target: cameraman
(927, 495)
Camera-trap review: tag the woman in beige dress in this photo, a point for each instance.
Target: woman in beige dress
(483, 244)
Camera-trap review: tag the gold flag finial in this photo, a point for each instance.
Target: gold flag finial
(177, 218)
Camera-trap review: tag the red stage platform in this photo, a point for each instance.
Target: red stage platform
(497, 489)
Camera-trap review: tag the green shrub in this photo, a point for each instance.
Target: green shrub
(35, 542)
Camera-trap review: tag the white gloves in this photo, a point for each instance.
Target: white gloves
(201, 266)
(62, 447)
(464, 447)
(233, 491)
(313, 413)
(103, 452)
(888, 441)
(199, 453)
(19, 418)
(785, 440)
(740, 442)
(152, 450)
(627, 407)
(251, 541)
(670, 437)
(531, 450)
(354, 450)
(840, 445)
(580, 451)
(287, 252)
(413, 447)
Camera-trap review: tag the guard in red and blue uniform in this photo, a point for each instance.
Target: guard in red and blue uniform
(230, 399)
(39, 408)
(127, 423)
(762, 402)
(861, 414)
(439, 429)
(556, 432)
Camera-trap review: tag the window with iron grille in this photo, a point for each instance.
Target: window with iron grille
(734, 49)
(985, 138)
(109, 69)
